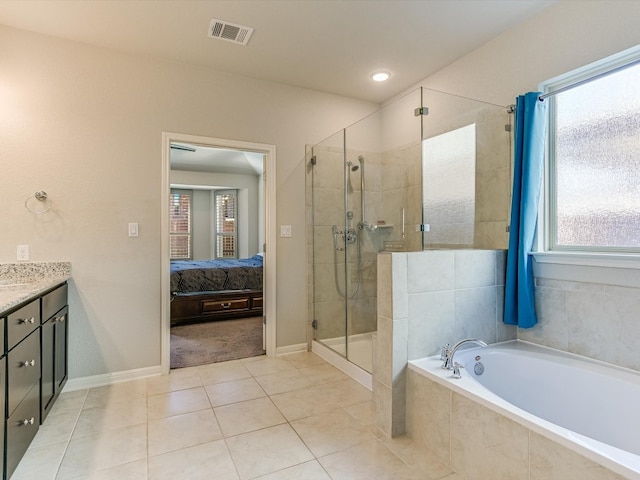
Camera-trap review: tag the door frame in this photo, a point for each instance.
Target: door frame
(269, 282)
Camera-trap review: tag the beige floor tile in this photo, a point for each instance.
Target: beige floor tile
(267, 451)
(364, 413)
(305, 471)
(319, 399)
(178, 402)
(201, 462)
(248, 416)
(103, 396)
(104, 450)
(366, 461)
(40, 463)
(331, 432)
(323, 373)
(266, 365)
(303, 359)
(234, 391)
(178, 379)
(56, 428)
(417, 456)
(283, 382)
(123, 413)
(69, 402)
(223, 372)
(181, 431)
(130, 471)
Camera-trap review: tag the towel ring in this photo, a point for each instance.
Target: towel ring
(40, 197)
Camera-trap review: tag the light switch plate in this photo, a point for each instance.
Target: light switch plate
(133, 229)
(23, 253)
(285, 231)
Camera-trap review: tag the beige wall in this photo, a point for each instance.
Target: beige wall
(85, 125)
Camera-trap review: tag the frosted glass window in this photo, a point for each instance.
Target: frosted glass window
(595, 164)
(449, 187)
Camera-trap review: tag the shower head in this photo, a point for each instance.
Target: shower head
(352, 166)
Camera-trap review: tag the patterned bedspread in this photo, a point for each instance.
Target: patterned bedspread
(212, 275)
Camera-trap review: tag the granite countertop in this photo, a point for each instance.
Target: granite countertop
(19, 282)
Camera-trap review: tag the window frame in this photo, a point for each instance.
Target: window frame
(545, 251)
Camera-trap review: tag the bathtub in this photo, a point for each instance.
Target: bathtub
(587, 406)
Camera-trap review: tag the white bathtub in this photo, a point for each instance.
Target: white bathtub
(590, 407)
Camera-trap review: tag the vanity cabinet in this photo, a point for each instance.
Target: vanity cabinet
(33, 369)
(23, 382)
(54, 340)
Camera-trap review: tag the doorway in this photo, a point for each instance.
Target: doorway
(265, 231)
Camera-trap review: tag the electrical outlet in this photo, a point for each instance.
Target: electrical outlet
(23, 253)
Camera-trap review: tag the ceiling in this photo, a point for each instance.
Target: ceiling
(214, 159)
(326, 45)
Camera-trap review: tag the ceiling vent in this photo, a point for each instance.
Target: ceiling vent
(229, 32)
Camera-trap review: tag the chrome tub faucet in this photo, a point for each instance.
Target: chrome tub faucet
(448, 353)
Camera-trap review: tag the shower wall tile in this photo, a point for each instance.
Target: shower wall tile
(501, 267)
(551, 329)
(426, 310)
(431, 319)
(594, 320)
(475, 268)
(329, 206)
(400, 285)
(476, 313)
(431, 272)
(383, 363)
(504, 332)
(384, 285)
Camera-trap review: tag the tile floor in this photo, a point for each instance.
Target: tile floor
(292, 417)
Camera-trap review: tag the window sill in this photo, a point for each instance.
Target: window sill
(608, 269)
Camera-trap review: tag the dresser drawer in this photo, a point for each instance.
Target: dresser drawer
(23, 369)
(256, 303)
(22, 322)
(53, 301)
(225, 305)
(22, 426)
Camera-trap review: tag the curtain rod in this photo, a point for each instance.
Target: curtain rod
(587, 80)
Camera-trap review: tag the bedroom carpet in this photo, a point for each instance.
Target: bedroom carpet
(219, 341)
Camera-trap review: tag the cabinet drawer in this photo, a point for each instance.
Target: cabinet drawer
(23, 369)
(21, 428)
(53, 301)
(225, 305)
(22, 322)
(256, 303)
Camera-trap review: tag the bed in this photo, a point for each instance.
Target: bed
(206, 290)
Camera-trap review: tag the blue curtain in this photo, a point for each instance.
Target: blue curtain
(530, 130)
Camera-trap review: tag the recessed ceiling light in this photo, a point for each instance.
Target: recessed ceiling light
(380, 76)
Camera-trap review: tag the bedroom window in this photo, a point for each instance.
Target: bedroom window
(594, 158)
(226, 202)
(180, 225)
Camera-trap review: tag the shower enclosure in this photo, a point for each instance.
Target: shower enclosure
(430, 170)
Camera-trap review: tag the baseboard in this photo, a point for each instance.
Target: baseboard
(94, 381)
(300, 347)
(361, 376)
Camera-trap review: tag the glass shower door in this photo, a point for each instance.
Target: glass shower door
(330, 243)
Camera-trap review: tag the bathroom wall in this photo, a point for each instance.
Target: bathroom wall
(85, 125)
(425, 300)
